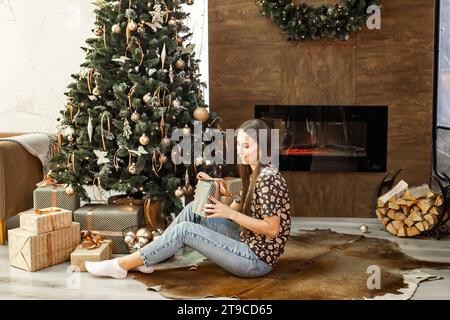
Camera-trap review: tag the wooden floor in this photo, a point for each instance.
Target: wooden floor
(58, 282)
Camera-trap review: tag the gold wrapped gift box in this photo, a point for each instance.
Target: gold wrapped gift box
(45, 220)
(81, 255)
(31, 252)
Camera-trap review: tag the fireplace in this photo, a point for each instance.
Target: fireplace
(329, 138)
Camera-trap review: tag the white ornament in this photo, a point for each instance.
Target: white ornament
(90, 129)
(101, 155)
(126, 129)
(364, 228)
(140, 151)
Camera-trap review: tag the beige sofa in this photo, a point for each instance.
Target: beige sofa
(19, 173)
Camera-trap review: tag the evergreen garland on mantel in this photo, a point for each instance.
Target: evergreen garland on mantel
(303, 22)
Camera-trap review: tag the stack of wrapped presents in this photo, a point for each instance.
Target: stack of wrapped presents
(45, 237)
(57, 229)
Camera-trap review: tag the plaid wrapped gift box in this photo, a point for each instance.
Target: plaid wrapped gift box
(109, 221)
(55, 196)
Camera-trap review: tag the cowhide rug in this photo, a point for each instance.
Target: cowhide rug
(315, 265)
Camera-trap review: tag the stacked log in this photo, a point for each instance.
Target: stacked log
(408, 212)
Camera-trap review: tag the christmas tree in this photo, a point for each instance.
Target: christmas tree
(139, 83)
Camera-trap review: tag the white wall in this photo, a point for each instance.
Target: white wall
(41, 42)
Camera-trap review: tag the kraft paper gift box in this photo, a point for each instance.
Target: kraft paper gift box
(55, 196)
(45, 220)
(31, 252)
(81, 255)
(109, 221)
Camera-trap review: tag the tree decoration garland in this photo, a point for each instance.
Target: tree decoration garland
(300, 22)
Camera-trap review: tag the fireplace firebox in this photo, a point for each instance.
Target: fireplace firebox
(329, 138)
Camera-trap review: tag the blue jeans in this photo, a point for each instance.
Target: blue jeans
(216, 238)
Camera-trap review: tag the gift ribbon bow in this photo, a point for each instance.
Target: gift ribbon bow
(91, 240)
(47, 211)
(48, 182)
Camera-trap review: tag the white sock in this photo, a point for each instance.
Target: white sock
(144, 269)
(107, 268)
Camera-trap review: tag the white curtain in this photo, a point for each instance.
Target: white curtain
(41, 49)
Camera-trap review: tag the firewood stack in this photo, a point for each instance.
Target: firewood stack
(408, 212)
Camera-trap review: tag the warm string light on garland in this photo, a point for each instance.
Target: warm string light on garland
(300, 22)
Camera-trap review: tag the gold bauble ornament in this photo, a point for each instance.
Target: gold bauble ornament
(132, 26)
(176, 103)
(179, 193)
(201, 114)
(172, 22)
(190, 2)
(180, 64)
(166, 141)
(187, 81)
(144, 139)
(98, 31)
(199, 161)
(132, 169)
(188, 190)
(135, 116)
(70, 190)
(96, 91)
(147, 99)
(163, 159)
(116, 28)
(141, 30)
(186, 131)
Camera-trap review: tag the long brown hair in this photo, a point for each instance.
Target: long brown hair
(245, 171)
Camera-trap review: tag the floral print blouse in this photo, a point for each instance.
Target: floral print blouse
(270, 197)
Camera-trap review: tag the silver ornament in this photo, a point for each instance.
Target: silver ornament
(129, 240)
(364, 228)
(135, 116)
(144, 232)
(131, 234)
(157, 233)
(166, 141)
(143, 241)
(137, 246)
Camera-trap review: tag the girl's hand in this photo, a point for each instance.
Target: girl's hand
(217, 209)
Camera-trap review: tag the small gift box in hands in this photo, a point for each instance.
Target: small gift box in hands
(207, 187)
